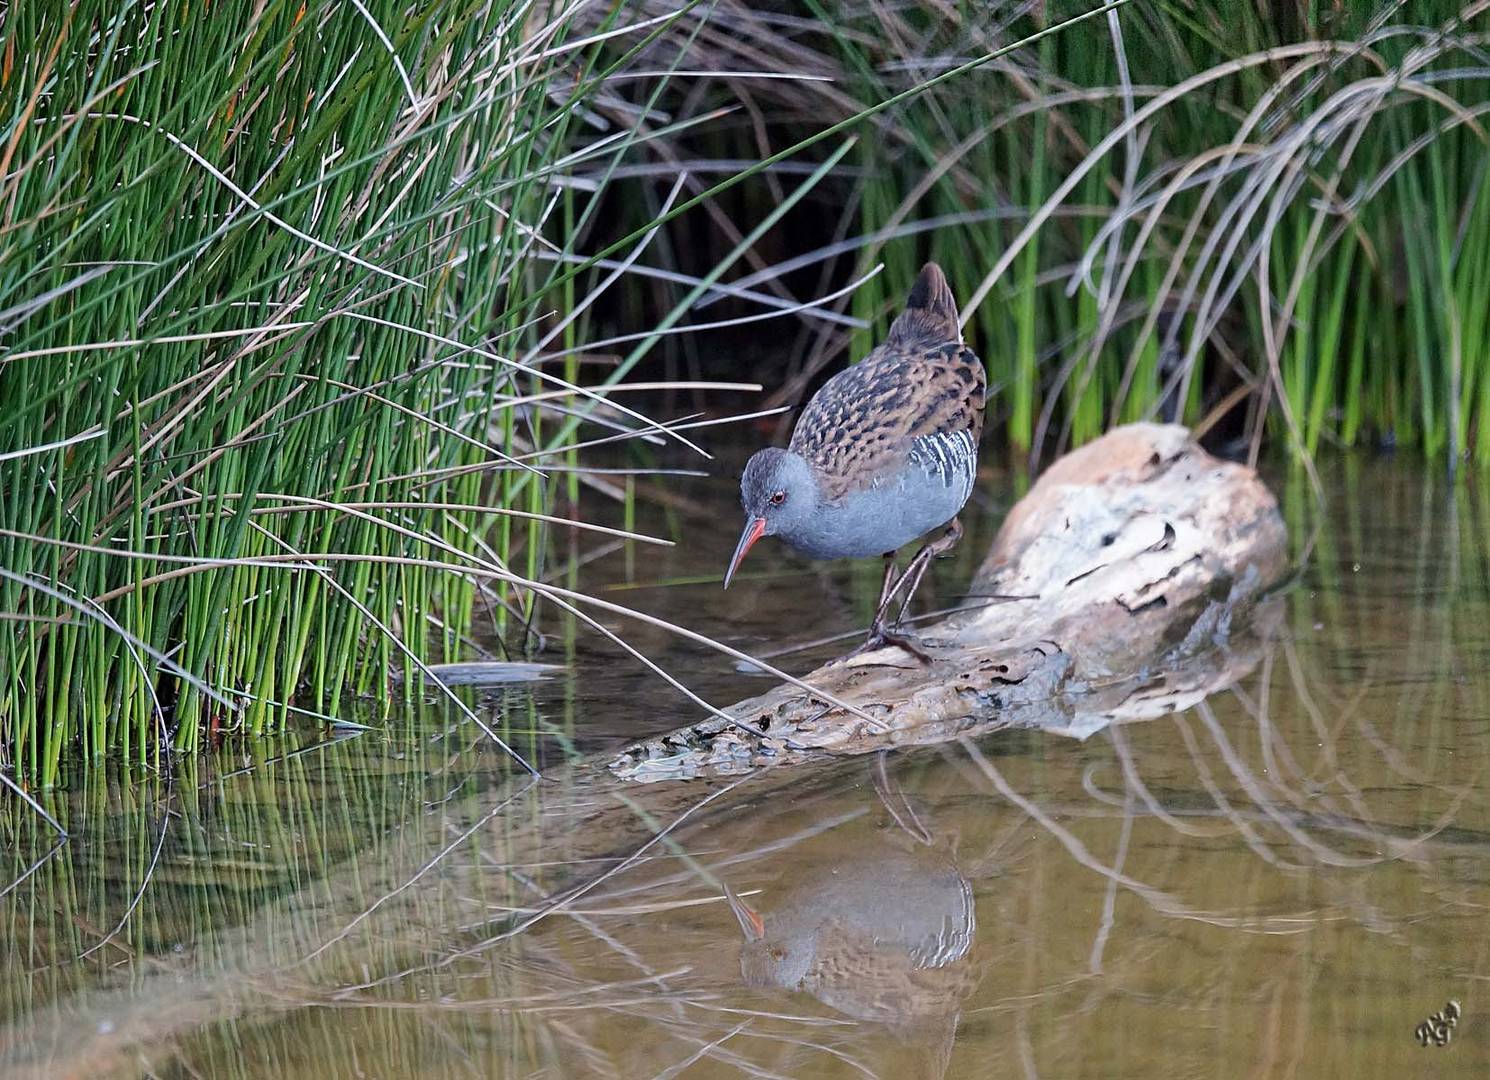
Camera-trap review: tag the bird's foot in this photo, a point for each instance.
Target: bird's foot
(880, 636)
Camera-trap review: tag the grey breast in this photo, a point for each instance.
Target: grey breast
(929, 489)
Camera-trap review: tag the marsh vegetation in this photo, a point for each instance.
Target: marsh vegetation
(374, 378)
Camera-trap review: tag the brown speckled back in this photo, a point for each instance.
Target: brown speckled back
(923, 381)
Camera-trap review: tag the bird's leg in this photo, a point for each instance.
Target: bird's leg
(879, 633)
(886, 589)
(899, 807)
(934, 550)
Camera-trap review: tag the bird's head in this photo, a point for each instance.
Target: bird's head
(778, 493)
(773, 954)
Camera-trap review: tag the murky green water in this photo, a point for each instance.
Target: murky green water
(1284, 882)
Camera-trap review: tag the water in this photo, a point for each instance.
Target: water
(1284, 882)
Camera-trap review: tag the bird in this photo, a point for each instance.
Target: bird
(892, 914)
(884, 453)
(884, 935)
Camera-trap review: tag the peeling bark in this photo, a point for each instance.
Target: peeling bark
(1141, 564)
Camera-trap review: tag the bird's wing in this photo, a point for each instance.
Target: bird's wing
(864, 977)
(866, 421)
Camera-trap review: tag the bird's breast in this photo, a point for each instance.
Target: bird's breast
(891, 510)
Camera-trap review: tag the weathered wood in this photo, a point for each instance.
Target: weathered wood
(1139, 559)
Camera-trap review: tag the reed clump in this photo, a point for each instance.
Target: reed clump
(1273, 210)
(1270, 215)
(291, 302)
(270, 303)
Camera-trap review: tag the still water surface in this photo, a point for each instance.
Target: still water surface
(1282, 882)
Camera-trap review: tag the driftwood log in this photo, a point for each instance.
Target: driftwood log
(1146, 563)
(1132, 563)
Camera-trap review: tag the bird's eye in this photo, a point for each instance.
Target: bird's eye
(777, 498)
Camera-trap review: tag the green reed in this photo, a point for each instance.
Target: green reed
(1330, 252)
(258, 277)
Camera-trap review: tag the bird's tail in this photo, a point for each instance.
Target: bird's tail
(930, 315)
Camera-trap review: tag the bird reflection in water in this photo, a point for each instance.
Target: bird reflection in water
(883, 935)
